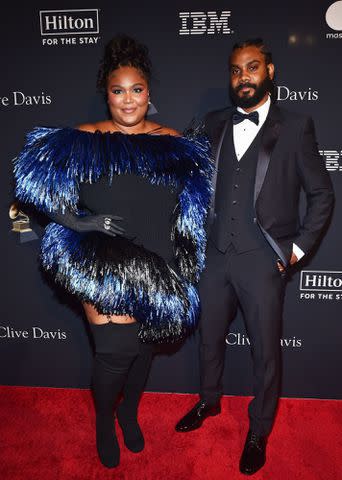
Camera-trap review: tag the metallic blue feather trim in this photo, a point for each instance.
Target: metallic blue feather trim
(117, 277)
(48, 173)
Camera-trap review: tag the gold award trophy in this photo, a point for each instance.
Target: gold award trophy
(21, 224)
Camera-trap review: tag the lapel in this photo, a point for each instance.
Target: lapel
(220, 131)
(270, 135)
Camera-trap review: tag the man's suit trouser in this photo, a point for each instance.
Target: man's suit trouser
(252, 281)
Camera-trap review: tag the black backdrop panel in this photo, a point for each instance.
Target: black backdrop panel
(49, 64)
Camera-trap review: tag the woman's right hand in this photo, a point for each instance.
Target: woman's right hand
(108, 224)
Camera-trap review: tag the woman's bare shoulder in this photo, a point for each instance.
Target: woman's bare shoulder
(86, 127)
(162, 129)
(170, 131)
(102, 126)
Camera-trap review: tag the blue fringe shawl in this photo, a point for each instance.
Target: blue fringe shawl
(48, 173)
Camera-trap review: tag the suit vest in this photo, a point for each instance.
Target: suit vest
(235, 221)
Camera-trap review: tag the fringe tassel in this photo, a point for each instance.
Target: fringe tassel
(121, 280)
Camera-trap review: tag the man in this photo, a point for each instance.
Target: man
(265, 156)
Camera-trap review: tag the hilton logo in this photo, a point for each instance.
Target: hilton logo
(200, 23)
(332, 160)
(321, 284)
(56, 26)
(64, 22)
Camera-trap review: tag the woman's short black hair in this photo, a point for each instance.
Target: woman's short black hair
(123, 51)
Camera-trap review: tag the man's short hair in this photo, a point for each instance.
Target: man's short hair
(255, 42)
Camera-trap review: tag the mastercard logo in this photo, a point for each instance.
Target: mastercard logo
(333, 16)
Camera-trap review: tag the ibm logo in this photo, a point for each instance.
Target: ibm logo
(320, 281)
(332, 160)
(69, 22)
(199, 23)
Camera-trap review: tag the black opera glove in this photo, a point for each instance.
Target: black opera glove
(107, 224)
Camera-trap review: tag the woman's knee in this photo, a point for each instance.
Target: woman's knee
(94, 317)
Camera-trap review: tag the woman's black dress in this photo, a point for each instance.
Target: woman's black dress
(160, 185)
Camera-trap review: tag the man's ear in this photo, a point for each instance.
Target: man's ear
(270, 70)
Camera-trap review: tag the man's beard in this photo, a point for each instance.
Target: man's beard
(266, 86)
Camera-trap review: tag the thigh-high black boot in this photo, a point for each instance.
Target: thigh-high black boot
(116, 347)
(128, 409)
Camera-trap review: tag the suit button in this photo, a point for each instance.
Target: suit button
(234, 202)
(236, 186)
(238, 169)
(233, 218)
(232, 234)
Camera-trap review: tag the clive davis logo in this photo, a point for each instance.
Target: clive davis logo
(285, 93)
(69, 27)
(320, 285)
(200, 23)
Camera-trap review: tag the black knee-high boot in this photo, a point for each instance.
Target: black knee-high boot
(128, 409)
(117, 347)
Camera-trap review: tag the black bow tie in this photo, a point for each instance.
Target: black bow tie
(240, 117)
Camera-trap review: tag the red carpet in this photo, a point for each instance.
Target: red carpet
(48, 434)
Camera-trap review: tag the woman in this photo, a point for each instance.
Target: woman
(128, 198)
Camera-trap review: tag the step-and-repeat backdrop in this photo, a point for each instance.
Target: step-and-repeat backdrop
(49, 62)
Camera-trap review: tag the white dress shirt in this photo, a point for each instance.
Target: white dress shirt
(243, 135)
(245, 132)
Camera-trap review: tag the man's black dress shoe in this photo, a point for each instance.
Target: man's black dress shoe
(254, 454)
(196, 416)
